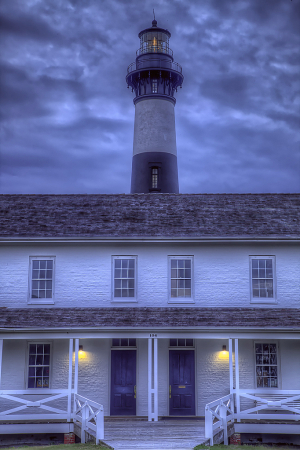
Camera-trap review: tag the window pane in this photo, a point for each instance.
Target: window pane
(31, 383)
(43, 264)
(173, 342)
(254, 263)
(181, 342)
(189, 342)
(173, 263)
(35, 264)
(32, 360)
(117, 263)
(269, 263)
(132, 342)
(125, 263)
(131, 263)
(124, 342)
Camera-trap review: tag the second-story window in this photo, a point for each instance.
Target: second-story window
(262, 278)
(124, 278)
(181, 279)
(41, 279)
(154, 178)
(154, 87)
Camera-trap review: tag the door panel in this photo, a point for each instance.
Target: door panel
(182, 382)
(123, 380)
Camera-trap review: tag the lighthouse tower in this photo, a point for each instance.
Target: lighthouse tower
(154, 77)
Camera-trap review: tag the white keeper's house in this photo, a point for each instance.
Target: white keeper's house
(151, 305)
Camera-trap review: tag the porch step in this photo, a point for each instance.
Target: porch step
(162, 435)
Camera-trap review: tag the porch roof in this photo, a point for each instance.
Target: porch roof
(152, 216)
(145, 318)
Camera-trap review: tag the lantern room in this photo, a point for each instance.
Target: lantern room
(154, 40)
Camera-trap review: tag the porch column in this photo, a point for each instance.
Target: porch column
(152, 380)
(1, 353)
(76, 372)
(70, 380)
(230, 366)
(237, 379)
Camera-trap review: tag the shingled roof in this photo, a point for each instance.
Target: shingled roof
(143, 318)
(150, 215)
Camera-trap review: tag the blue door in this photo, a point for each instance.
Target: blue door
(182, 383)
(123, 383)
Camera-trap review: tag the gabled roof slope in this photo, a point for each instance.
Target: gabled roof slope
(143, 318)
(150, 215)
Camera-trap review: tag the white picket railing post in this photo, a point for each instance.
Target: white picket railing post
(100, 426)
(223, 414)
(237, 380)
(209, 432)
(70, 380)
(84, 417)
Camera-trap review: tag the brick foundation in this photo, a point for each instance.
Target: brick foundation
(235, 439)
(69, 438)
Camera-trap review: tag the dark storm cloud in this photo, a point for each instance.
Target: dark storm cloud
(67, 117)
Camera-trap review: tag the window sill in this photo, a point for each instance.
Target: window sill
(124, 300)
(181, 300)
(263, 301)
(39, 302)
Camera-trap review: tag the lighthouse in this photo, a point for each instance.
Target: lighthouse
(154, 78)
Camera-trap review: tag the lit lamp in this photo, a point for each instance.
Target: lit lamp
(224, 349)
(81, 349)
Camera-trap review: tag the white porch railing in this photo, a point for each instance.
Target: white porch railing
(217, 415)
(285, 404)
(33, 399)
(90, 415)
(279, 404)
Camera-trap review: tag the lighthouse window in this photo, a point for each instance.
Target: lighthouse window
(154, 177)
(154, 86)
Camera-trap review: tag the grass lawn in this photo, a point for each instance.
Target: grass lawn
(241, 447)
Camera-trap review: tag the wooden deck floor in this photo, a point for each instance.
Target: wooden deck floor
(162, 435)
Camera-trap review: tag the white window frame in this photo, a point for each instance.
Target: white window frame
(267, 341)
(263, 299)
(41, 301)
(27, 366)
(123, 299)
(181, 299)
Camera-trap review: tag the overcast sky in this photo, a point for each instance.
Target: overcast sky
(67, 117)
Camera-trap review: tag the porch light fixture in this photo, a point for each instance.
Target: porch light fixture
(80, 348)
(224, 349)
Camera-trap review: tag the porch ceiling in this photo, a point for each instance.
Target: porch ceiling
(212, 319)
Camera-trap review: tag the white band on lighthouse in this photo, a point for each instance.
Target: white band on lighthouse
(154, 127)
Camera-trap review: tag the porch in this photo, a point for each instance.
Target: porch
(245, 408)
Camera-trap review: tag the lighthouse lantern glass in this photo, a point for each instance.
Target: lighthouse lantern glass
(154, 42)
